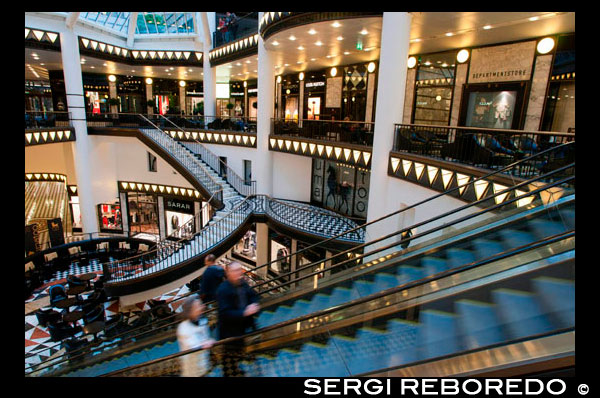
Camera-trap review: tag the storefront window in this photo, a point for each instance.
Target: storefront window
(143, 213)
(246, 247)
(435, 84)
(493, 109)
(179, 217)
(340, 187)
(354, 92)
(109, 217)
(75, 213)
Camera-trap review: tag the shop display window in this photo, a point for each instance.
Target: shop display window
(179, 217)
(143, 213)
(434, 88)
(246, 247)
(494, 109)
(75, 213)
(109, 217)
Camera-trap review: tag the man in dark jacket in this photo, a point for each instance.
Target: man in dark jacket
(238, 304)
(211, 279)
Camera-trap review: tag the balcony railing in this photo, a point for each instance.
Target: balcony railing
(42, 119)
(351, 132)
(488, 148)
(241, 27)
(242, 124)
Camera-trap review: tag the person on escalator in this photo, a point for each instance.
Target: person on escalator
(193, 333)
(238, 303)
(213, 276)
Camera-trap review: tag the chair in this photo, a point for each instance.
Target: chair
(46, 316)
(115, 325)
(57, 293)
(143, 248)
(74, 347)
(50, 260)
(96, 314)
(124, 249)
(61, 330)
(159, 308)
(74, 253)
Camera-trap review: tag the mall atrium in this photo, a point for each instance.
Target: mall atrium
(398, 189)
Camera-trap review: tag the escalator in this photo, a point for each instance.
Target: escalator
(487, 231)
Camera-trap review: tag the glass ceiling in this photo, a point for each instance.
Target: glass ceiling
(147, 22)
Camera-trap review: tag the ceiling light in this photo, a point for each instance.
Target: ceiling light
(319, 43)
(462, 56)
(238, 64)
(148, 80)
(35, 55)
(300, 48)
(312, 32)
(346, 52)
(336, 24)
(415, 40)
(364, 32)
(190, 70)
(444, 65)
(275, 43)
(182, 83)
(255, 70)
(340, 38)
(301, 76)
(248, 61)
(368, 49)
(449, 34)
(92, 66)
(172, 68)
(112, 78)
(333, 71)
(169, 74)
(534, 18)
(300, 62)
(313, 59)
(486, 27)
(133, 70)
(412, 61)
(438, 62)
(371, 67)
(427, 63)
(545, 45)
(292, 37)
(286, 64)
(41, 63)
(278, 79)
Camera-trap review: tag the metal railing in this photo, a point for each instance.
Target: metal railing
(241, 185)
(350, 132)
(488, 148)
(436, 225)
(222, 123)
(240, 27)
(42, 119)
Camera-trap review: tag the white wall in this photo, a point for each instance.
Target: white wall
(235, 156)
(291, 176)
(51, 158)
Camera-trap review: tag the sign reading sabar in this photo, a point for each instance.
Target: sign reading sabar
(507, 63)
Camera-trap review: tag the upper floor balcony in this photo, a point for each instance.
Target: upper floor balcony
(234, 26)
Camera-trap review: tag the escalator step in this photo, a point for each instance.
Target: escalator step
(341, 295)
(300, 307)
(478, 323)
(557, 296)
(485, 248)
(365, 288)
(385, 281)
(433, 265)
(408, 273)
(438, 333)
(544, 228)
(402, 342)
(569, 218)
(459, 257)
(512, 238)
(282, 313)
(520, 313)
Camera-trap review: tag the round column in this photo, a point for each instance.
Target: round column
(76, 105)
(263, 174)
(395, 40)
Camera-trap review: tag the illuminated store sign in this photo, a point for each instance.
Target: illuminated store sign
(315, 84)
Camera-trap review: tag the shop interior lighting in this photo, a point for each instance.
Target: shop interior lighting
(336, 24)
(312, 32)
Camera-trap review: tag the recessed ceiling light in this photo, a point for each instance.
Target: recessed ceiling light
(368, 49)
(286, 64)
(275, 43)
(486, 27)
(169, 74)
(300, 62)
(313, 59)
(34, 55)
(312, 32)
(319, 43)
(534, 18)
(427, 63)
(364, 32)
(255, 70)
(41, 63)
(248, 61)
(336, 24)
(415, 40)
(92, 66)
(439, 62)
(449, 34)
(190, 70)
(300, 48)
(292, 37)
(133, 70)
(444, 65)
(346, 52)
(230, 66)
(340, 38)
(238, 64)
(82, 62)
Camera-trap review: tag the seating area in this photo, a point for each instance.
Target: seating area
(348, 132)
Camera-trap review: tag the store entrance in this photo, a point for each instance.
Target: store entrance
(143, 213)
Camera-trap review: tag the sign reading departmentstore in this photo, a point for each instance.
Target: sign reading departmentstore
(510, 62)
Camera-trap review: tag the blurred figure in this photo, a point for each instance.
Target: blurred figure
(213, 275)
(238, 304)
(193, 333)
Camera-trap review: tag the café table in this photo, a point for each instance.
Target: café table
(66, 303)
(73, 316)
(74, 291)
(94, 328)
(87, 277)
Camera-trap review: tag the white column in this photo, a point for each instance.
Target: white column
(71, 62)
(263, 173)
(182, 99)
(395, 33)
(301, 103)
(112, 93)
(162, 227)
(293, 260)
(245, 99)
(124, 212)
(262, 248)
(210, 74)
(149, 98)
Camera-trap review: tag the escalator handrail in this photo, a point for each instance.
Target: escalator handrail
(350, 260)
(445, 193)
(429, 279)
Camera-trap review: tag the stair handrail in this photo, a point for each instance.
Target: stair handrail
(215, 157)
(350, 260)
(202, 168)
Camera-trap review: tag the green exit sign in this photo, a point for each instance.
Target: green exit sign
(359, 45)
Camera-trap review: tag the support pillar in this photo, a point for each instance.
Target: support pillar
(262, 248)
(182, 99)
(149, 97)
(210, 74)
(112, 93)
(391, 84)
(76, 106)
(263, 173)
(293, 260)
